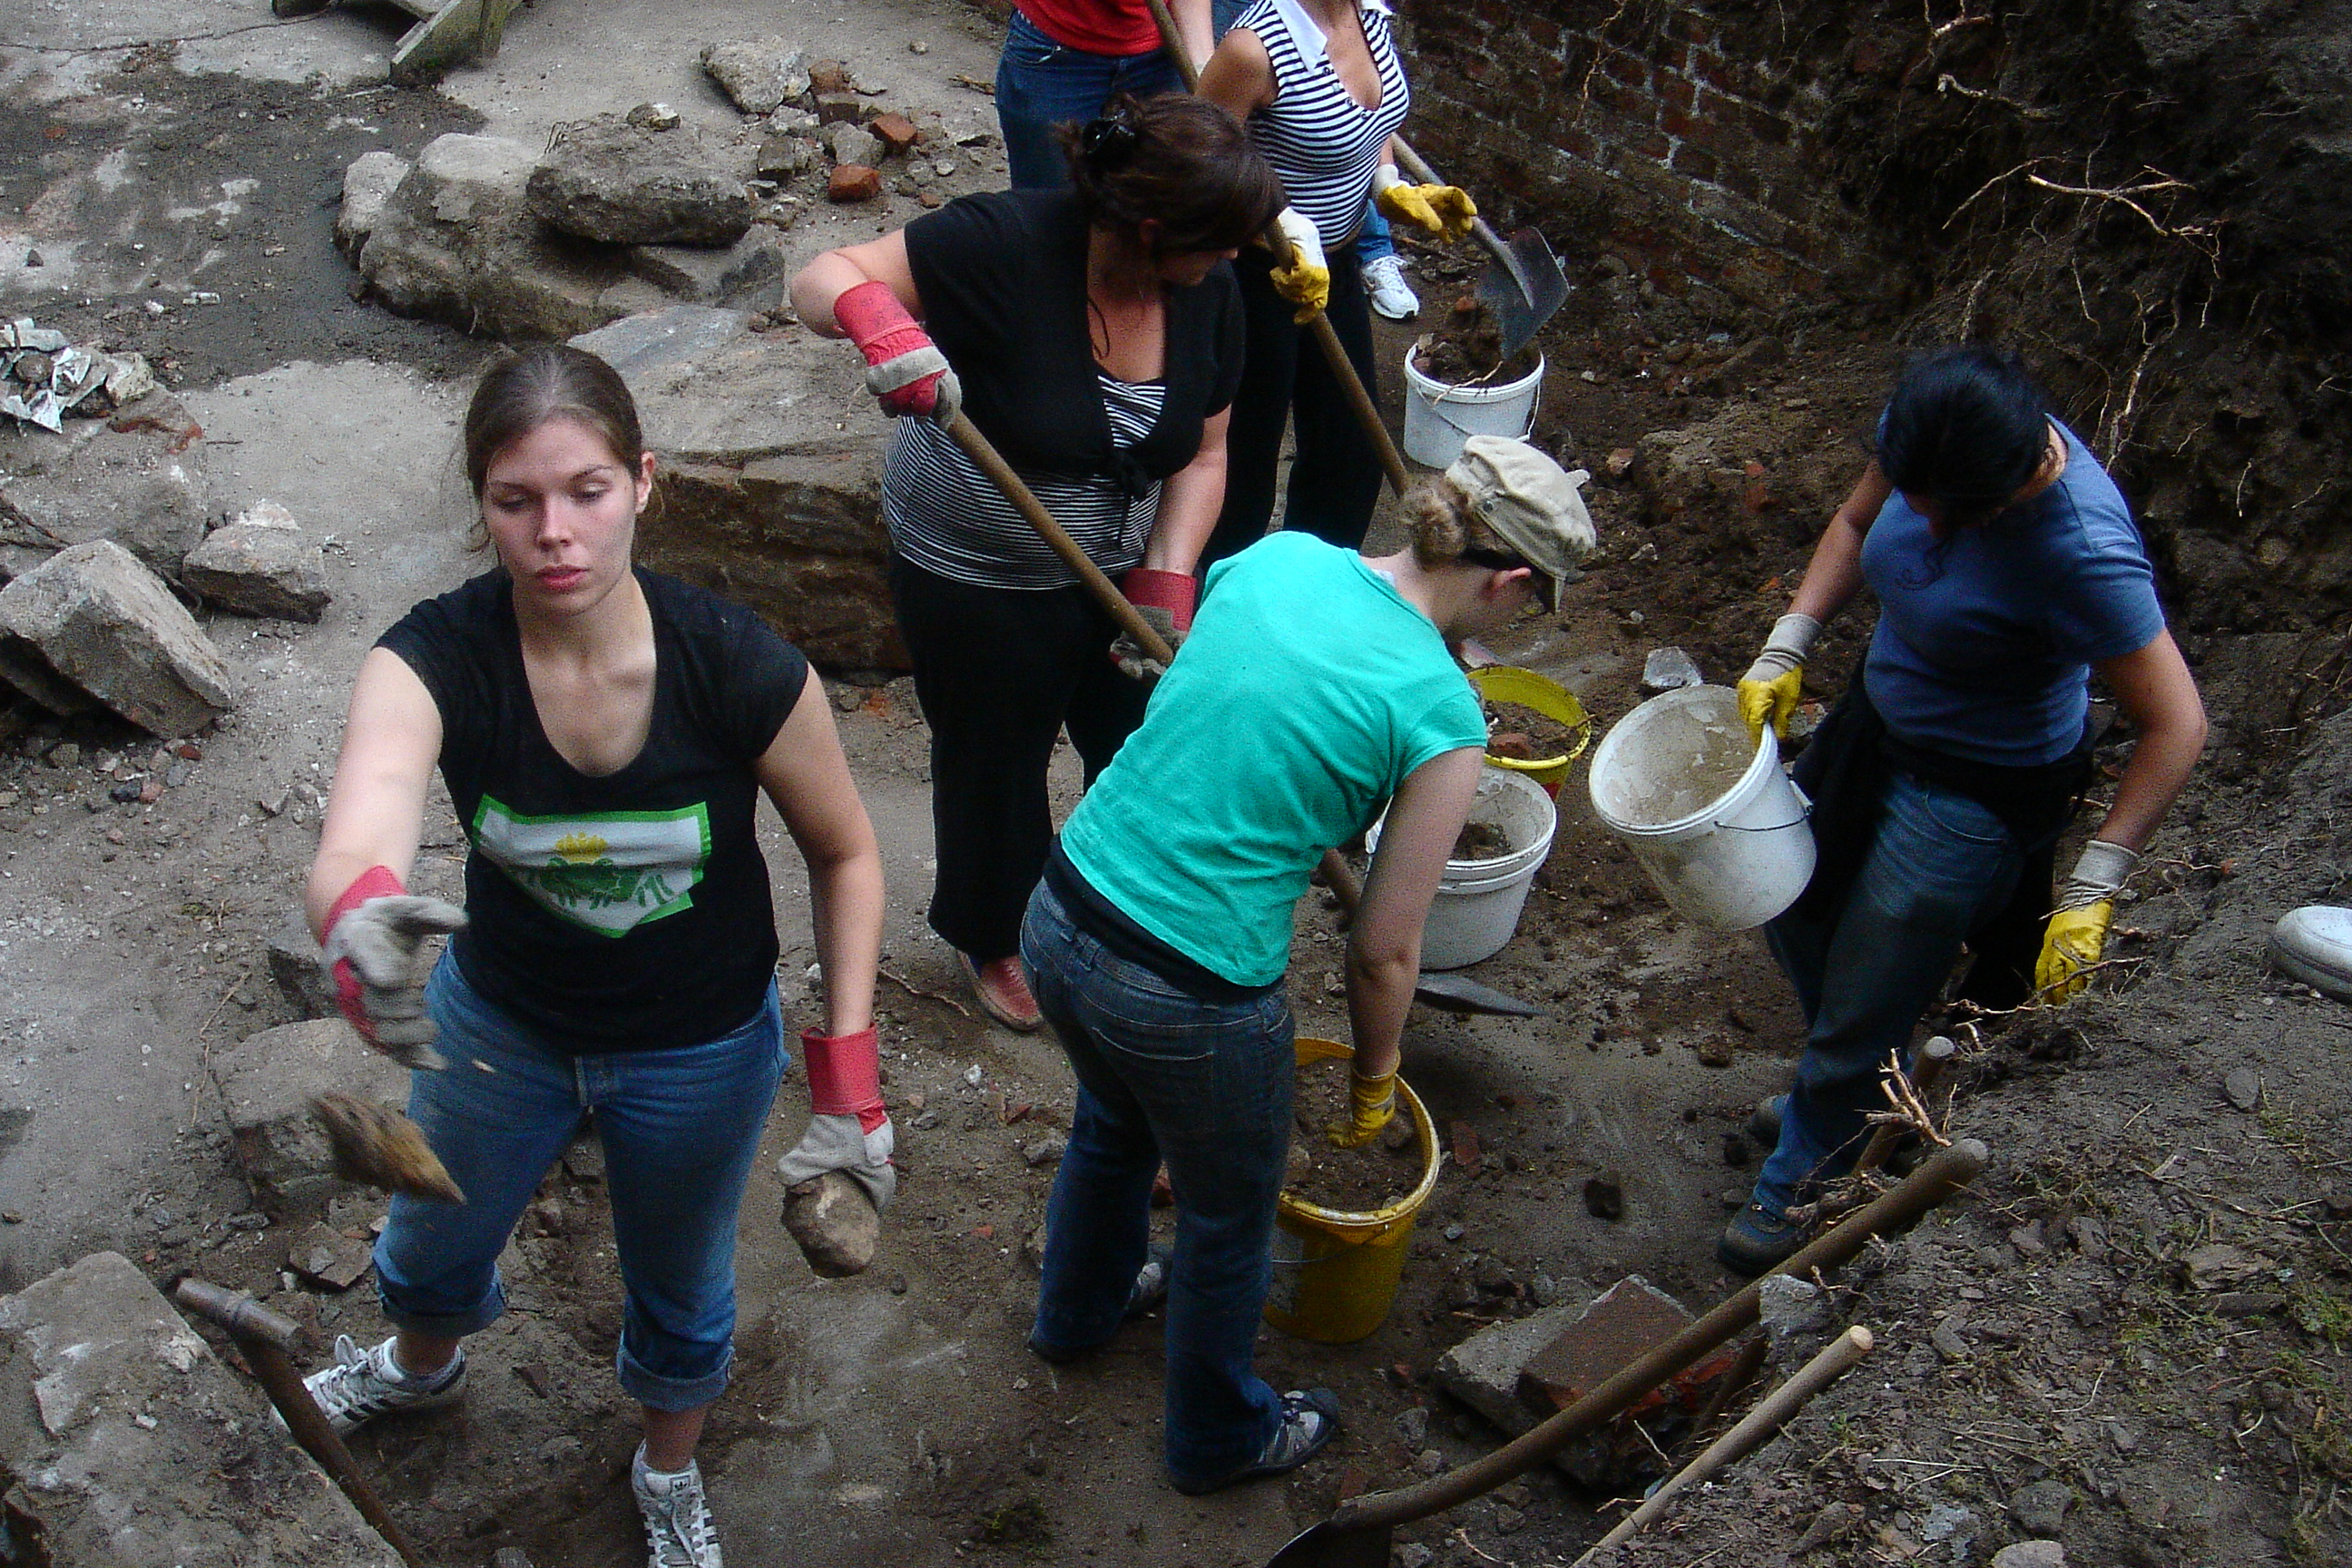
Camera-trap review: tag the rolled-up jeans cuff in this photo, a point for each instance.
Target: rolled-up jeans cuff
(441, 1325)
(658, 1393)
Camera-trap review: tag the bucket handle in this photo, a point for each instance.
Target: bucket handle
(1805, 811)
(1436, 406)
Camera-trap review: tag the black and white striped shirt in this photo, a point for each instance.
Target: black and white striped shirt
(1324, 144)
(946, 517)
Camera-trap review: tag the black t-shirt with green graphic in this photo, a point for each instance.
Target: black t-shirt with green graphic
(631, 911)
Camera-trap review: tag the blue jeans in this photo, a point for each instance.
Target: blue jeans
(1941, 864)
(679, 1130)
(1041, 83)
(1205, 1086)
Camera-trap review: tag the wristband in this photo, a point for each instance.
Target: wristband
(1177, 593)
(1386, 178)
(2099, 874)
(845, 1074)
(881, 327)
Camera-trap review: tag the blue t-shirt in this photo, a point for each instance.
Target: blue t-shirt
(1307, 691)
(1985, 638)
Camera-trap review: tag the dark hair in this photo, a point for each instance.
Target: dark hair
(1965, 429)
(1179, 159)
(522, 391)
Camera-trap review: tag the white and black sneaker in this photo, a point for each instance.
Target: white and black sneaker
(678, 1531)
(366, 1383)
(1310, 1419)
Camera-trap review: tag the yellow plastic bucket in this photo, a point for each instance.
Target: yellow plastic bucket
(1336, 1272)
(1502, 683)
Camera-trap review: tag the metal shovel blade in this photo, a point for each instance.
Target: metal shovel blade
(1322, 1546)
(1460, 994)
(1520, 314)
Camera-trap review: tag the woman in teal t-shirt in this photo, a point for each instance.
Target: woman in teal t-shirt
(1315, 687)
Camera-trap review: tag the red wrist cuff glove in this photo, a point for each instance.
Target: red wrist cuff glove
(1177, 593)
(845, 1074)
(375, 882)
(906, 370)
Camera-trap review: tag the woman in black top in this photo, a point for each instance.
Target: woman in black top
(605, 734)
(1094, 336)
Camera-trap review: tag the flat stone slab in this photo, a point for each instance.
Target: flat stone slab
(93, 620)
(119, 1425)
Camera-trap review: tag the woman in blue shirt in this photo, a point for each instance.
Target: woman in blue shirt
(2007, 568)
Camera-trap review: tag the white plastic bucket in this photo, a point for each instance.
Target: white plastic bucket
(1438, 417)
(1721, 832)
(1477, 906)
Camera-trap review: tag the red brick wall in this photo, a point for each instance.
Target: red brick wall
(1680, 136)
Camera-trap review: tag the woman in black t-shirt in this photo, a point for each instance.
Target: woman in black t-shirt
(1094, 337)
(605, 734)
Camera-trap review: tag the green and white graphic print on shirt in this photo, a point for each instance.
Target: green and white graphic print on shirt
(610, 871)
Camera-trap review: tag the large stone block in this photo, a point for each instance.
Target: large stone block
(124, 1430)
(457, 242)
(267, 1081)
(603, 178)
(262, 564)
(92, 620)
(368, 185)
(141, 487)
(770, 490)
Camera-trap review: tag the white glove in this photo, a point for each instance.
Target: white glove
(841, 1143)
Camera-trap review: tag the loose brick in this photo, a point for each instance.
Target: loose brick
(853, 182)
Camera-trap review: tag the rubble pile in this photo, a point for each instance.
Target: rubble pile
(44, 378)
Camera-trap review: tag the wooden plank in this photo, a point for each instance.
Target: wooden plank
(458, 33)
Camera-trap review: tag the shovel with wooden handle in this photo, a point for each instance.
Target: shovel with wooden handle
(1343, 369)
(1357, 1535)
(1523, 287)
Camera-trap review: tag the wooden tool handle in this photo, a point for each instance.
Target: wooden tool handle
(966, 435)
(1771, 1413)
(1930, 1184)
(1343, 369)
(1480, 229)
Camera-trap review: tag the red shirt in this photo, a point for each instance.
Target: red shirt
(1098, 27)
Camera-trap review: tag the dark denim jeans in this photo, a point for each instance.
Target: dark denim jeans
(1941, 865)
(1041, 83)
(679, 1129)
(1205, 1086)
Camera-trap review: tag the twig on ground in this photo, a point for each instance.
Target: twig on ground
(914, 990)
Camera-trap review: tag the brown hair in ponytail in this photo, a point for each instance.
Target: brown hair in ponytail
(1181, 160)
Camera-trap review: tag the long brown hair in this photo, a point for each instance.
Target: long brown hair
(1175, 158)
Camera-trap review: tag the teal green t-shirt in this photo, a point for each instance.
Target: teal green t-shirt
(1307, 691)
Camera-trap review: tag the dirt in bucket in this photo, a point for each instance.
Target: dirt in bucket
(1353, 1180)
(1480, 841)
(1688, 757)
(1523, 734)
(1466, 346)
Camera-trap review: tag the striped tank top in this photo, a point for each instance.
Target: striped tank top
(1324, 144)
(946, 517)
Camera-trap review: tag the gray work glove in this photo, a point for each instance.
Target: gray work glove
(1128, 655)
(369, 956)
(841, 1143)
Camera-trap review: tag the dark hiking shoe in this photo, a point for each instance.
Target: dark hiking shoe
(1764, 1122)
(1758, 1240)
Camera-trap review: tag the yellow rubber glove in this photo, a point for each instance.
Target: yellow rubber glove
(2076, 936)
(1769, 692)
(1442, 211)
(1306, 280)
(1372, 1101)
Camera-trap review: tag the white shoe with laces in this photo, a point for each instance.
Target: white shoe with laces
(678, 1531)
(365, 1383)
(1391, 296)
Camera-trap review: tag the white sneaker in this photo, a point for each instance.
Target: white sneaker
(2314, 945)
(678, 1531)
(366, 1384)
(1391, 296)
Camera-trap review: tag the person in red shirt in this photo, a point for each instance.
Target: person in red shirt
(1063, 60)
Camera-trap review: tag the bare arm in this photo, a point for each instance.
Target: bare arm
(805, 773)
(1834, 574)
(834, 273)
(375, 809)
(2154, 686)
(1195, 27)
(1189, 502)
(1384, 944)
(1238, 77)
